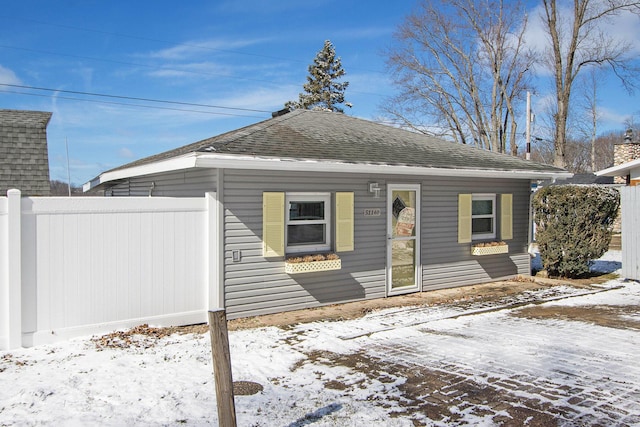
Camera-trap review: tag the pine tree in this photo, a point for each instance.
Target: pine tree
(322, 90)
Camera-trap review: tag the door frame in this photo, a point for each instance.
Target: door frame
(417, 238)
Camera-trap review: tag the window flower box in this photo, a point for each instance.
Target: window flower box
(312, 263)
(489, 248)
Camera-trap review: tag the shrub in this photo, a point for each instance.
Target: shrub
(573, 226)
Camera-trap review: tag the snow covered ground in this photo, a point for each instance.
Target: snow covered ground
(522, 361)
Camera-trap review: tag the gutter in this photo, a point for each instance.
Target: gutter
(620, 170)
(177, 163)
(228, 161)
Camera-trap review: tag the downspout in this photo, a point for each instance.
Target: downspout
(530, 245)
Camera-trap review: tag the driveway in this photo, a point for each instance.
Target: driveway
(558, 355)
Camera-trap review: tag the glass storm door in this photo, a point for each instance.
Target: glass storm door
(403, 238)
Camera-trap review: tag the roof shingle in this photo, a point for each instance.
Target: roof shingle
(326, 136)
(24, 158)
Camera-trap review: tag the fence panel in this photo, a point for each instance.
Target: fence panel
(4, 278)
(631, 232)
(97, 264)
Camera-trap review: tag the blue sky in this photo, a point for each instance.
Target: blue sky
(251, 56)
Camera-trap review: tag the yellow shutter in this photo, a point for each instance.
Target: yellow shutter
(464, 218)
(506, 216)
(273, 224)
(344, 222)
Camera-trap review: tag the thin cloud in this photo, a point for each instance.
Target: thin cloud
(7, 76)
(261, 99)
(271, 8)
(201, 69)
(622, 28)
(364, 33)
(125, 153)
(613, 118)
(197, 48)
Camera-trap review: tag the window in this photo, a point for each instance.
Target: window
(301, 222)
(483, 216)
(308, 222)
(478, 219)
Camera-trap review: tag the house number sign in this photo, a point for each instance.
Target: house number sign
(372, 212)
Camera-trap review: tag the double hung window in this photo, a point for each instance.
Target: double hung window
(483, 216)
(308, 222)
(480, 218)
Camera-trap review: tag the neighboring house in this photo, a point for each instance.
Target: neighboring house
(585, 179)
(628, 171)
(624, 172)
(403, 211)
(24, 158)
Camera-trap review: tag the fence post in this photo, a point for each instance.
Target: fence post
(14, 269)
(214, 259)
(630, 203)
(222, 368)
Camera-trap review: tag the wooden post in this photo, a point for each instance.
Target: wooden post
(222, 368)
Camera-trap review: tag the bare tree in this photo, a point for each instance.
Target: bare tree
(542, 150)
(579, 40)
(461, 66)
(578, 153)
(587, 121)
(60, 188)
(603, 148)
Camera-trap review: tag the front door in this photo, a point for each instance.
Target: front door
(403, 238)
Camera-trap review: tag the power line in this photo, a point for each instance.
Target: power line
(132, 105)
(132, 98)
(153, 67)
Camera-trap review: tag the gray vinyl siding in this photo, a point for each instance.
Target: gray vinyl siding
(446, 263)
(186, 183)
(256, 285)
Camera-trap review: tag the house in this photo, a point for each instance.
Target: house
(24, 159)
(629, 172)
(584, 179)
(402, 212)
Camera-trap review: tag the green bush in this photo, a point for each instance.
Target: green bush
(573, 226)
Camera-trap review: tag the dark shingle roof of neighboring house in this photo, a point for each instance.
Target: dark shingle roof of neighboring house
(586, 179)
(24, 158)
(305, 136)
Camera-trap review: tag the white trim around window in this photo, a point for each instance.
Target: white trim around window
(483, 216)
(307, 222)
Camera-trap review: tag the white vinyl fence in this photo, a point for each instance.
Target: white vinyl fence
(630, 197)
(77, 266)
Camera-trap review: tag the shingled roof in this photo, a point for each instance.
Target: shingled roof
(326, 137)
(24, 158)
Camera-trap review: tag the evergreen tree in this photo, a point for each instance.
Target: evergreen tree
(322, 90)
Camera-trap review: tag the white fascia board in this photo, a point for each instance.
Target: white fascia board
(210, 160)
(622, 169)
(227, 161)
(176, 163)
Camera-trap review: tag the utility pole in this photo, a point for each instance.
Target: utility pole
(528, 126)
